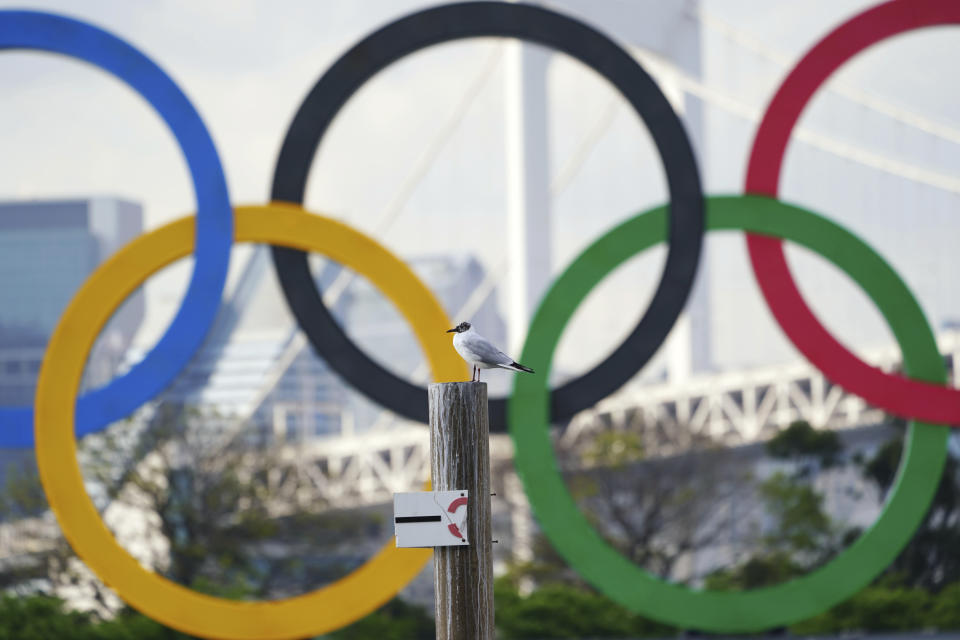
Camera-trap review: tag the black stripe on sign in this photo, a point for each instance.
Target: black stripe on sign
(403, 519)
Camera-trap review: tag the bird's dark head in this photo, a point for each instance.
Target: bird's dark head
(460, 328)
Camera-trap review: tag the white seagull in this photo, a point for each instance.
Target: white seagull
(480, 352)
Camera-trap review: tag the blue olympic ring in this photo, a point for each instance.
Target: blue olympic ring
(214, 222)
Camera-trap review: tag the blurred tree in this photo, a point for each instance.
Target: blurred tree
(801, 538)
(564, 611)
(920, 590)
(801, 535)
(658, 510)
(880, 607)
(397, 620)
(809, 449)
(222, 530)
(932, 557)
(36, 557)
(210, 523)
(46, 618)
(802, 527)
(546, 567)
(654, 510)
(945, 609)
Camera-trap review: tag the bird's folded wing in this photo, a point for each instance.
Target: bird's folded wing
(486, 352)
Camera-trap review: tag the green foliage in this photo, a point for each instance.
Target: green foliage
(44, 618)
(802, 525)
(397, 620)
(546, 567)
(881, 607)
(131, 625)
(563, 611)
(39, 618)
(800, 440)
(945, 609)
(614, 449)
(932, 557)
(758, 571)
(882, 467)
(921, 589)
(803, 535)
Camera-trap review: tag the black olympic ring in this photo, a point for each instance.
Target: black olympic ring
(476, 19)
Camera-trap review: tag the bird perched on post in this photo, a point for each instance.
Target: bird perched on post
(480, 352)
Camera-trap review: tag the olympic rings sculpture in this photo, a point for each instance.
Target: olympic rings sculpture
(59, 417)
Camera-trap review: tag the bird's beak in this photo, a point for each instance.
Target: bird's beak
(451, 330)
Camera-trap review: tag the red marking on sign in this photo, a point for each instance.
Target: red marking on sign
(456, 504)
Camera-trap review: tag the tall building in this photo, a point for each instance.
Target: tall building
(47, 250)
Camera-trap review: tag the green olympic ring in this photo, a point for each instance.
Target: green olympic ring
(755, 610)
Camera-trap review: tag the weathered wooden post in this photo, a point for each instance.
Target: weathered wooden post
(460, 459)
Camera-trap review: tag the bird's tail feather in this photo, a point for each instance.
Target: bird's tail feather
(516, 366)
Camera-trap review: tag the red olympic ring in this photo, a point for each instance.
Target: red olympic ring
(894, 393)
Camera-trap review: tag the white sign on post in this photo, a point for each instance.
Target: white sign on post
(430, 518)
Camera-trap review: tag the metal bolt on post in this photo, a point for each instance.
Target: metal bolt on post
(460, 459)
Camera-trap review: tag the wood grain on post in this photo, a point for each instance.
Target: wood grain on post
(460, 459)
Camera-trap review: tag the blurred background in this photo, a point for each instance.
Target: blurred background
(728, 462)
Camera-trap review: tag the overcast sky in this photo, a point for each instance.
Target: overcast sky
(71, 130)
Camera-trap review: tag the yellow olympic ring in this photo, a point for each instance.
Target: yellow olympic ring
(319, 611)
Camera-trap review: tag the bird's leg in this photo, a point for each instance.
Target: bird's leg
(473, 373)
